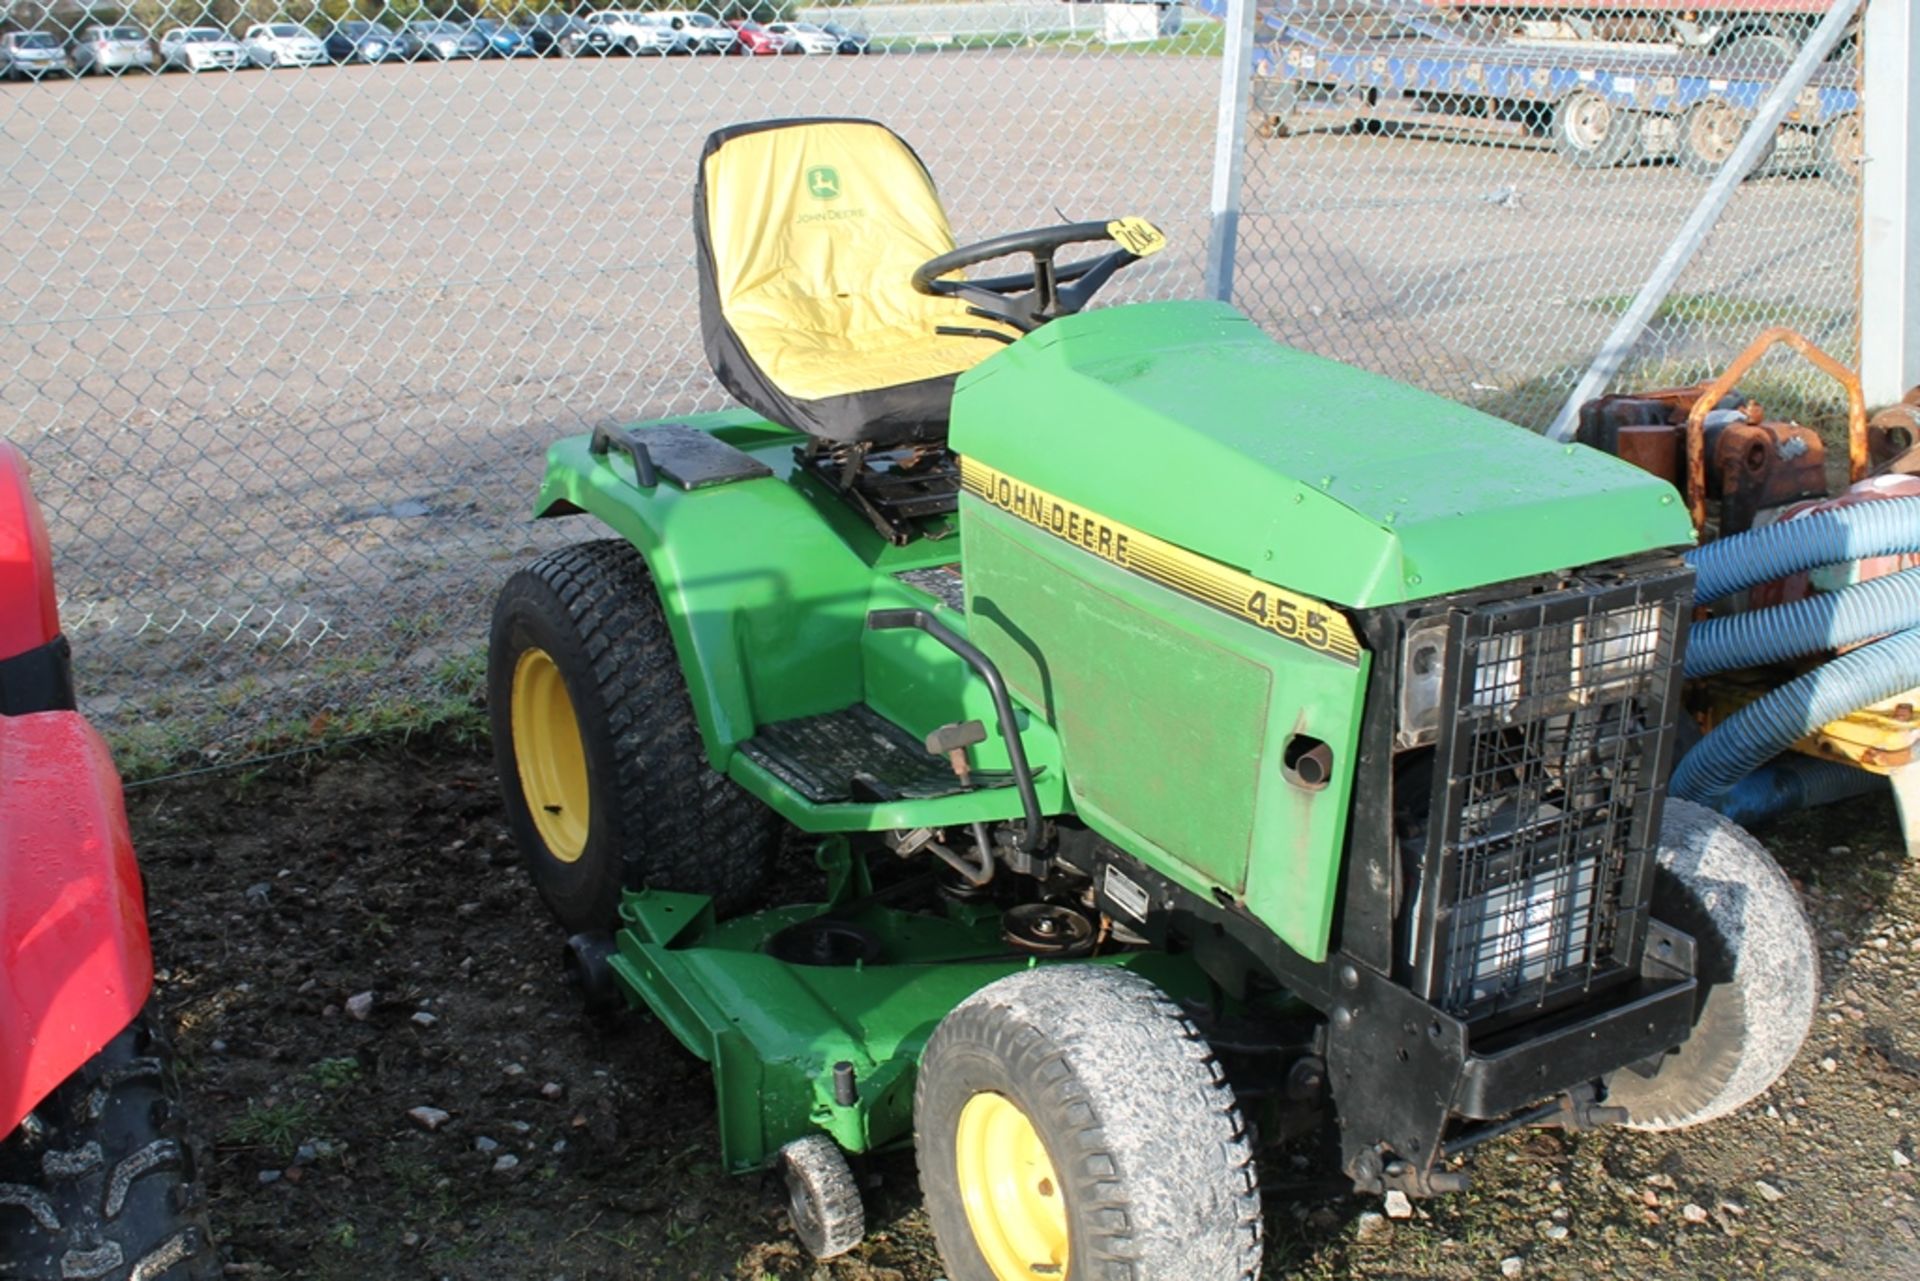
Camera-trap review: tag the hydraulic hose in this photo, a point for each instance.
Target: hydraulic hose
(1775, 721)
(1886, 527)
(1794, 782)
(1827, 620)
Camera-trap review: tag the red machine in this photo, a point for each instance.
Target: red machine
(81, 1079)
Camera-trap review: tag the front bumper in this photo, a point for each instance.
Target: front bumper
(1407, 1075)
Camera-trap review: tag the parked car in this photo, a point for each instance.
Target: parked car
(198, 49)
(633, 32)
(283, 44)
(805, 37)
(112, 49)
(30, 55)
(754, 38)
(557, 34)
(702, 32)
(851, 41)
(441, 39)
(358, 41)
(502, 41)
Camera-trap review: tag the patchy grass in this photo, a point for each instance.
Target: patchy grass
(1752, 314)
(448, 702)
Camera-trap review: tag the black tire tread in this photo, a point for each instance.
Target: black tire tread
(1137, 1114)
(685, 826)
(1756, 962)
(99, 1182)
(836, 1219)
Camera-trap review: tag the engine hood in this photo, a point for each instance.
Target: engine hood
(1185, 420)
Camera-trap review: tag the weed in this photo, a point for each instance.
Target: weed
(278, 1126)
(335, 1074)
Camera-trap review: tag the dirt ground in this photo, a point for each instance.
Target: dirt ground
(579, 1149)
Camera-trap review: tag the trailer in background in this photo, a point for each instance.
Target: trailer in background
(1748, 30)
(1598, 108)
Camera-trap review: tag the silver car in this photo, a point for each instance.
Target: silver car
(198, 49)
(438, 38)
(634, 33)
(283, 44)
(112, 49)
(30, 55)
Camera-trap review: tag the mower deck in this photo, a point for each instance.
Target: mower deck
(813, 1016)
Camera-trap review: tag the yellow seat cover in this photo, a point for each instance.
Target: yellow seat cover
(810, 232)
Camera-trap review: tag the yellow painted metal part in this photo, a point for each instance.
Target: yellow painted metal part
(551, 757)
(1879, 737)
(1015, 1205)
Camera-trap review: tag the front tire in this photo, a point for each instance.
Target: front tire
(1593, 133)
(1756, 963)
(98, 1182)
(606, 782)
(1071, 1122)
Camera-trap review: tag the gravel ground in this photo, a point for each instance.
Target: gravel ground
(286, 347)
(346, 939)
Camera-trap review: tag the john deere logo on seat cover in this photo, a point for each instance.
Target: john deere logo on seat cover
(823, 182)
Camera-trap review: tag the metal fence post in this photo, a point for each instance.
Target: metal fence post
(1766, 122)
(1230, 148)
(1889, 210)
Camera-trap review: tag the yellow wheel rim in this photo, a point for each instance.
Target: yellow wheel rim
(1015, 1205)
(552, 760)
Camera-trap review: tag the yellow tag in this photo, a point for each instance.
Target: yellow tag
(1137, 236)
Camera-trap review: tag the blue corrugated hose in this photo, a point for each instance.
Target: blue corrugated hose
(1770, 724)
(1827, 620)
(1794, 782)
(1883, 528)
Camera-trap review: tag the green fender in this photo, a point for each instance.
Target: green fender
(766, 585)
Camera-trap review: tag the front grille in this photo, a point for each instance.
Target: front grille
(1552, 756)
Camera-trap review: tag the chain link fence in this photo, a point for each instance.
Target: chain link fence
(1468, 195)
(286, 343)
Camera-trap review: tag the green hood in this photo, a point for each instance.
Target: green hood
(1183, 419)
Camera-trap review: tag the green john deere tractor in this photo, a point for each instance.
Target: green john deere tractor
(1198, 744)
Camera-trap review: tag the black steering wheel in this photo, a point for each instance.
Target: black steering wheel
(1028, 299)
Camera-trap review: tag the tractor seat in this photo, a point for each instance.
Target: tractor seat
(809, 232)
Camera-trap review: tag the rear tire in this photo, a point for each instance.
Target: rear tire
(1838, 149)
(605, 779)
(1071, 1121)
(1709, 131)
(98, 1181)
(1756, 963)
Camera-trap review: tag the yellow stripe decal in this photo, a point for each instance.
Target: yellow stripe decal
(1289, 615)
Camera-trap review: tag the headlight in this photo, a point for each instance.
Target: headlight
(1422, 670)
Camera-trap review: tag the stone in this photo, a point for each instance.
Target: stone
(1372, 1225)
(1767, 1191)
(553, 1090)
(1901, 1160)
(1693, 1213)
(423, 1019)
(1556, 1232)
(360, 1006)
(429, 1118)
(485, 1144)
(506, 1161)
(268, 1177)
(1512, 1266)
(1398, 1205)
